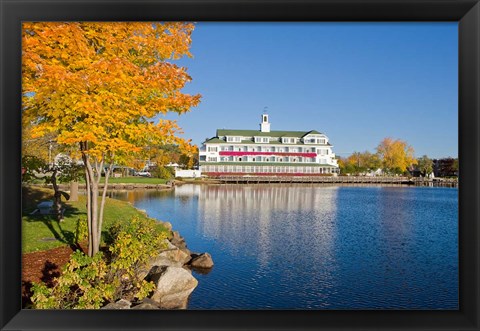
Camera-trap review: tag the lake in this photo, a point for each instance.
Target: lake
(316, 247)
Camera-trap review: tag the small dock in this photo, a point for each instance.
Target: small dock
(346, 180)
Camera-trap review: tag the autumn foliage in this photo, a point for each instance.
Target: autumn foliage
(393, 156)
(396, 155)
(99, 86)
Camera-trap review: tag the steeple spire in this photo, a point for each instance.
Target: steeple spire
(265, 124)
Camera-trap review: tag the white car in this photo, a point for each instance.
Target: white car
(144, 174)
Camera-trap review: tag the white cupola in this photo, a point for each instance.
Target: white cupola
(264, 124)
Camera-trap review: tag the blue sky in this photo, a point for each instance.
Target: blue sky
(356, 82)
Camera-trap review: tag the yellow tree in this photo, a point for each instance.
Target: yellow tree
(396, 155)
(97, 86)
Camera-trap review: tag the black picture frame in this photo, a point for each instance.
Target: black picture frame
(466, 12)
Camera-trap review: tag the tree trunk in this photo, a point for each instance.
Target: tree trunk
(57, 197)
(104, 194)
(88, 181)
(73, 191)
(93, 175)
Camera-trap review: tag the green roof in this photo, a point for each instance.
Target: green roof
(257, 133)
(215, 140)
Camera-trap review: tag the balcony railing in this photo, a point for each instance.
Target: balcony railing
(245, 153)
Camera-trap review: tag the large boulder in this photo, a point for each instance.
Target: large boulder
(173, 286)
(171, 256)
(120, 304)
(203, 260)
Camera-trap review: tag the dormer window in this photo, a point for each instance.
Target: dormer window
(234, 139)
(288, 140)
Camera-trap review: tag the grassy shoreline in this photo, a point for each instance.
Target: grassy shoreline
(43, 232)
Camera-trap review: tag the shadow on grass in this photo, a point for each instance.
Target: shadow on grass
(62, 235)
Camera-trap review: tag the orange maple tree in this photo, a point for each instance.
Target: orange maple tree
(98, 86)
(396, 155)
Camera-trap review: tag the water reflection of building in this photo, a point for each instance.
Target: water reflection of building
(187, 190)
(266, 217)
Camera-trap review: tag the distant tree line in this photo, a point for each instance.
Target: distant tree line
(396, 157)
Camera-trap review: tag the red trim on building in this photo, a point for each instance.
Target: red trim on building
(241, 153)
(282, 174)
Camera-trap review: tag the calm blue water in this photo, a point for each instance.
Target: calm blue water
(316, 247)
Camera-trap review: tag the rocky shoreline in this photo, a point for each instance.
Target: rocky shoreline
(171, 271)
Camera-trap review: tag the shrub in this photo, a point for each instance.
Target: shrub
(163, 172)
(81, 230)
(81, 285)
(90, 282)
(131, 246)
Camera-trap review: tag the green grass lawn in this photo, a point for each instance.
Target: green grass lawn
(41, 232)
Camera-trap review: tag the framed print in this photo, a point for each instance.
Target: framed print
(327, 176)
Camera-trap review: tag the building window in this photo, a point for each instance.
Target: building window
(234, 139)
(212, 149)
(212, 159)
(265, 140)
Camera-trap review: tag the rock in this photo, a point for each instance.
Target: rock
(202, 261)
(187, 251)
(147, 304)
(171, 256)
(120, 304)
(178, 240)
(173, 286)
(167, 225)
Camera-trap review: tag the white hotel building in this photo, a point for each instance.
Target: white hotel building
(266, 152)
